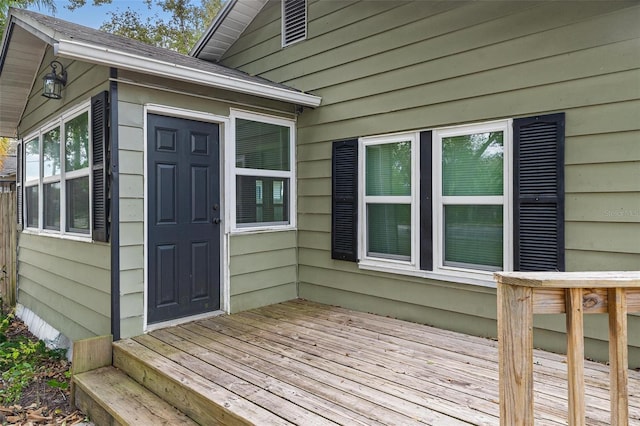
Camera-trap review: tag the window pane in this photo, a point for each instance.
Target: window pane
(261, 145)
(388, 169)
(472, 164)
(78, 205)
(76, 139)
(52, 205)
(262, 200)
(473, 237)
(32, 160)
(389, 231)
(51, 153)
(31, 200)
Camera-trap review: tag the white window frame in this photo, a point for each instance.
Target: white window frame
(439, 201)
(439, 272)
(367, 261)
(62, 177)
(241, 171)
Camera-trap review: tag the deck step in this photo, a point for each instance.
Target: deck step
(202, 400)
(110, 397)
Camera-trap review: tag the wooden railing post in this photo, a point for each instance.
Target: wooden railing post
(575, 356)
(522, 294)
(618, 357)
(515, 351)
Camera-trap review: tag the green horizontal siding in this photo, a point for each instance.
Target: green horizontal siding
(384, 67)
(66, 283)
(262, 269)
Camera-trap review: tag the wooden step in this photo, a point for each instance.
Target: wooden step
(202, 400)
(110, 397)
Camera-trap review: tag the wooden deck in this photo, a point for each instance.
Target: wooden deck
(310, 364)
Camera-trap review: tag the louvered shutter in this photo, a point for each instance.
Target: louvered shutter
(100, 169)
(539, 193)
(344, 206)
(19, 180)
(294, 21)
(426, 202)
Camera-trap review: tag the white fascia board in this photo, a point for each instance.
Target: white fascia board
(113, 58)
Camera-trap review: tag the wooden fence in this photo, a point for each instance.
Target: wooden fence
(8, 240)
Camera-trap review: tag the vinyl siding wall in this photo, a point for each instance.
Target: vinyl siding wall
(262, 265)
(263, 269)
(65, 282)
(383, 67)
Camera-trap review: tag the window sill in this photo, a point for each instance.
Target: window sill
(481, 279)
(70, 237)
(261, 230)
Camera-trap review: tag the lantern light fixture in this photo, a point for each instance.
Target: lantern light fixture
(54, 82)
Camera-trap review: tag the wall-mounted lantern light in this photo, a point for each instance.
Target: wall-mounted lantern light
(53, 82)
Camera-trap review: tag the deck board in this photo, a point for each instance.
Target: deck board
(314, 364)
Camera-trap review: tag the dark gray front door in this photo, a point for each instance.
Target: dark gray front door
(183, 223)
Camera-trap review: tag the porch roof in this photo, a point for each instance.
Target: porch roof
(28, 34)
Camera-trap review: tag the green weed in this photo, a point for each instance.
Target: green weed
(21, 361)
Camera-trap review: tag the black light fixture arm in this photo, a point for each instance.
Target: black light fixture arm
(54, 82)
(62, 77)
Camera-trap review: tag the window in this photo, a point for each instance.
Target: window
(387, 199)
(31, 182)
(294, 21)
(471, 194)
(57, 166)
(51, 174)
(452, 203)
(77, 173)
(263, 172)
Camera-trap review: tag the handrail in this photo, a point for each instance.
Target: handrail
(522, 294)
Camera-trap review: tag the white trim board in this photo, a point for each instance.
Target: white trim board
(123, 60)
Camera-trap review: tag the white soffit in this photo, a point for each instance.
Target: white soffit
(22, 54)
(225, 30)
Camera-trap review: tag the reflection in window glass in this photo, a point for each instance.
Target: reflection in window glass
(31, 203)
(473, 236)
(388, 169)
(76, 137)
(259, 198)
(473, 164)
(52, 205)
(262, 200)
(78, 205)
(51, 153)
(32, 160)
(389, 231)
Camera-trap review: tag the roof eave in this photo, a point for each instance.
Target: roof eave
(108, 57)
(217, 21)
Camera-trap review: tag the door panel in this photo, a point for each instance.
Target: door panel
(183, 237)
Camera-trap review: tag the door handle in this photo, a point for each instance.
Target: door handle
(217, 220)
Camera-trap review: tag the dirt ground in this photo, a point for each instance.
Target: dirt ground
(40, 403)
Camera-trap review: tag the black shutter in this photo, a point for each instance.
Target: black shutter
(539, 193)
(426, 203)
(19, 180)
(100, 169)
(344, 201)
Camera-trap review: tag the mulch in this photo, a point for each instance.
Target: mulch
(41, 404)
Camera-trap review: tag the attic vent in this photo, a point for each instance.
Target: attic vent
(294, 21)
